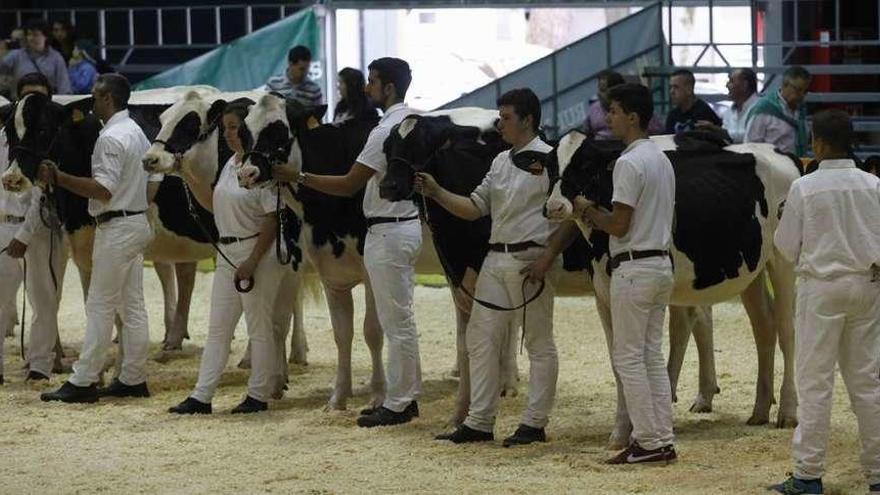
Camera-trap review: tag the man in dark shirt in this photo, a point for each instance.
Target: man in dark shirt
(687, 109)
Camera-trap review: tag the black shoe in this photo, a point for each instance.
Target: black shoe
(35, 376)
(72, 394)
(635, 454)
(1, 379)
(191, 406)
(250, 405)
(465, 434)
(382, 416)
(412, 408)
(525, 435)
(119, 389)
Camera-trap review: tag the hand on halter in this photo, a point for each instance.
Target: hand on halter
(47, 172)
(16, 248)
(537, 270)
(285, 172)
(425, 184)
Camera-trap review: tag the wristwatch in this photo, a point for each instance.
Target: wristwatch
(301, 179)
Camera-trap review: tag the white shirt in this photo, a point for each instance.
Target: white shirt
(25, 204)
(239, 212)
(734, 121)
(372, 156)
(515, 199)
(766, 128)
(644, 179)
(116, 165)
(830, 225)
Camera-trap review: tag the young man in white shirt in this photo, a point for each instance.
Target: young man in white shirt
(118, 196)
(640, 226)
(394, 239)
(514, 197)
(830, 229)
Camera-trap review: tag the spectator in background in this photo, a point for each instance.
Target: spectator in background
(83, 70)
(596, 127)
(63, 39)
(7, 82)
(295, 83)
(780, 117)
(742, 89)
(38, 56)
(687, 108)
(353, 102)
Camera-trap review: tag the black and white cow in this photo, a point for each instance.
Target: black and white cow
(727, 208)
(457, 147)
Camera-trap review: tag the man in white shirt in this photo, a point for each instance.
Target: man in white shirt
(514, 197)
(118, 196)
(830, 230)
(640, 226)
(780, 117)
(394, 239)
(742, 89)
(24, 235)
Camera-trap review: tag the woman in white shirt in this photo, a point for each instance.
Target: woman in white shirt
(246, 222)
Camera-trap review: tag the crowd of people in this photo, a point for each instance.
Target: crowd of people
(830, 230)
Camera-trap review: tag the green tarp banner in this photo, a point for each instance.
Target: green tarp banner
(249, 61)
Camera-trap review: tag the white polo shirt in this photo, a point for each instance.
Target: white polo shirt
(644, 179)
(116, 165)
(734, 120)
(374, 157)
(830, 225)
(515, 199)
(239, 212)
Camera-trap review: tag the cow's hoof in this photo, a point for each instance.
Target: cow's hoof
(244, 364)
(298, 360)
(509, 391)
(620, 437)
(337, 402)
(701, 406)
(758, 419)
(786, 421)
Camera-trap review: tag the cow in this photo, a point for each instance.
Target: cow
(728, 202)
(189, 136)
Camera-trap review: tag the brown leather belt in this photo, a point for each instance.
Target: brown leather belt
(377, 220)
(635, 255)
(11, 219)
(513, 248)
(230, 240)
(110, 215)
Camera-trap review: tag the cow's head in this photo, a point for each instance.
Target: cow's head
(32, 126)
(408, 148)
(185, 124)
(274, 124)
(585, 169)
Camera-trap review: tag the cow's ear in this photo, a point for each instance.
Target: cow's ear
(215, 112)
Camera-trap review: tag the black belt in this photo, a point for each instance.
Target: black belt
(110, 215)
(377, 220)
(635, 255)
(230, 240)
(513, 248)
(11, 219)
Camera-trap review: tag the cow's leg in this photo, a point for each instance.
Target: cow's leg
(186, 282)
(708, 382)
(9, 318)
(463, 397)
(373, 336)
(782, 278)
(756, 301)
(299, 346)
(509, 370)
(281, 315)
(341, 306)
(165, 272)
(681, 322)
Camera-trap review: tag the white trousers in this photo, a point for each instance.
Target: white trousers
(501, 283)
(117, 285)
(837, 322)
(42, 293)
(390, 253)
(640, 292)
(227, 305)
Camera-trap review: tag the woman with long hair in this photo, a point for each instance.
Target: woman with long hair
(353, 102)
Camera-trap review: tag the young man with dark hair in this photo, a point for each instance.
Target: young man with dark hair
(118, 192)
(295, 82)
(24, 235)
(830, 230)
(640, 227)
(687, 109)
(780, 117)
(394, 239)
(37, 56)
(513, 195)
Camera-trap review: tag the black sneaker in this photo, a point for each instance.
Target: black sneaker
(250, 405)
(35, 376)
(191, 406)
(797, 486)
(872, 490)
(412, 408)
(525, 435)
(386, 417)
(70, 393)
(635, 454)
(119, 389)
(465, 434)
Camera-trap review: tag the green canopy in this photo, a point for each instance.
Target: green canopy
(247, 62)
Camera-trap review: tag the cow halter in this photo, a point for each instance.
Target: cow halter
(178, 153)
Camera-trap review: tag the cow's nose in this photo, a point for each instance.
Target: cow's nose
(150, 163)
